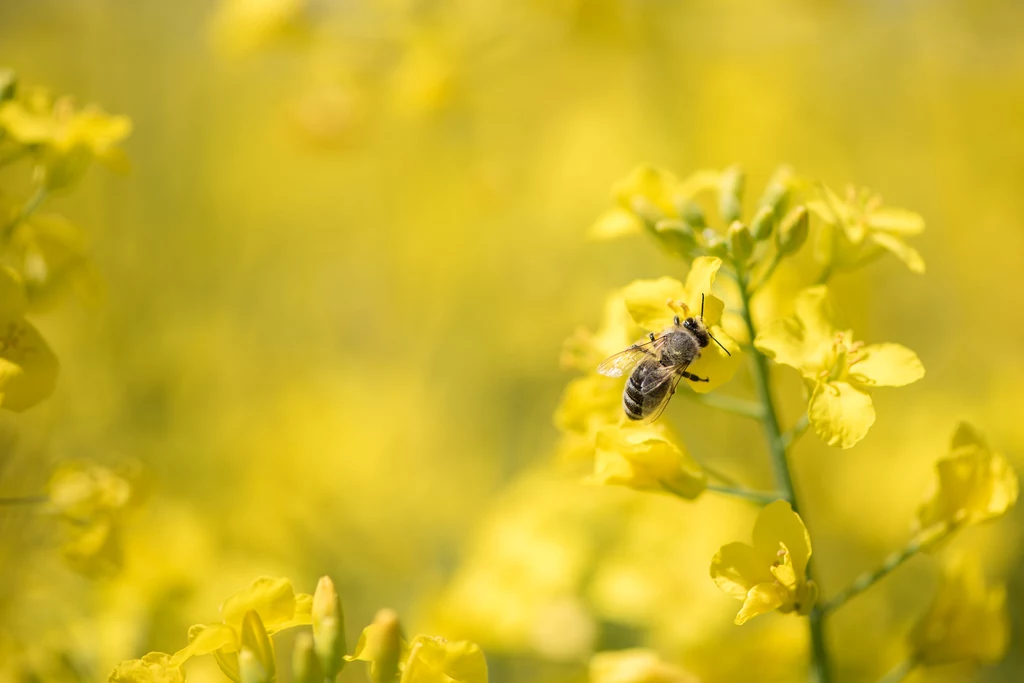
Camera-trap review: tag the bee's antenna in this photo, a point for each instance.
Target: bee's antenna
(720, 344)
(702, 306)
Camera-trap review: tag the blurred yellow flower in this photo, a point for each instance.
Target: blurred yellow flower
(242, 26)
(772, 573)
(436, 660)
(28, 368)
(861, 229)
(646, 458)
(89, 500)
(635, 666)
(654, 303)
(974, 483)
(155, 667)
(966, 621)
(273, 600)
(69, 137)
(839, 371)
(426, 659)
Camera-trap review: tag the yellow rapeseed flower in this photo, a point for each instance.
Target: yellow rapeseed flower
(155, 667)
(69, 137)
(274, 602)
(839, 371)
(426, 659)
(772, 573)
(966, 621)
(646, 458)
(652, 304)
(974, 483)
(28, 368)
(637, 665)
(861, 229)
(89, 500)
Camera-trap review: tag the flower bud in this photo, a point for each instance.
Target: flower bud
(305, 665)
(381, 645)
(676, 236)
(254, 639)
(793, 230)
(730, 194)
(777, 192)
(693, 215)
(763, 224)
(328, 628)
(715, 243)
(250, 669)
(740, 241)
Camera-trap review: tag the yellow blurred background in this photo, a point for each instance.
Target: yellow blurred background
(336, 282)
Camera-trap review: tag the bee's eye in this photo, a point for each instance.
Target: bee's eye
(688, 323)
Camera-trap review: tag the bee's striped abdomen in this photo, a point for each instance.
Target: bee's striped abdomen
(633, 398)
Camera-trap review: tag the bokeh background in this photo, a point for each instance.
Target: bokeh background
(337, 280)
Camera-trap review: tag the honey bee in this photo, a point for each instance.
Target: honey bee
(658, 365)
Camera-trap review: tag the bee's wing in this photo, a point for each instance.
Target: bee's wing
(654, 406)
(624, 361)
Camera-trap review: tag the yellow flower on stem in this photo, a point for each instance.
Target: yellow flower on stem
(155, 667)
(89, 500)
(771, 574)
(974, 484)
(860, 229)
(69, 138)
(646, 458)
(839, 371)
(635, 666)
(966, 621)
(652, 304)
(650, 196)
(274, 604)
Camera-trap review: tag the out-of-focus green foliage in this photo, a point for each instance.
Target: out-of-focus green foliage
(316, 329)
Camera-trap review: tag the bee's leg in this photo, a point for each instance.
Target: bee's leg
(651, 335)
(694, 378)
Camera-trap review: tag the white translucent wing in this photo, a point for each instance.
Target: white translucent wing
(624, 361)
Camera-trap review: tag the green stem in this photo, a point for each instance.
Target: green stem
(759, 497)
(729, 404)
(30, 207)
(899, 672)
(768, 272)
(791, 437)
(784, 480)
(869, 579)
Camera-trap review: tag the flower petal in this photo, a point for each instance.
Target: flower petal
(650, 302)
(156, 667)
(436, 660)
(803, 340)
(28, 367)
(646, 458)
(204, 639)
(635, 666)
(649, 192)
(895, 220)
(762, 598)
(714, 364)
(738, 567)
(901, 250)
(887, 365)
(777, 523)
(841, 413)
(698, 282)
(272, 598)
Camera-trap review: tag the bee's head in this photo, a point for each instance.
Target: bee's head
(697, 328)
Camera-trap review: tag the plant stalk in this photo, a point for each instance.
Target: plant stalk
(777, 444)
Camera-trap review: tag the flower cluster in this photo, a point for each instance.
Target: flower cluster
(701, 218)
(241, 645)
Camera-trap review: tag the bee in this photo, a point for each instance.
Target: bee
(658, 365)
